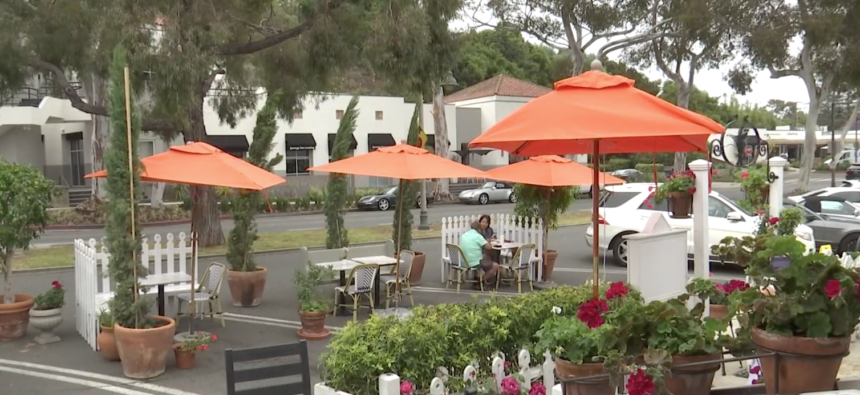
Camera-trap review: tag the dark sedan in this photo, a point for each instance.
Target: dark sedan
(853, 172)
(386, 200)
(839, 232)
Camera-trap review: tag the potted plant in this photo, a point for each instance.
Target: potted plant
(106, 340)
(245, 279)
(546, 203)
(808, 309)
(756, 188)
(679, 189)
(143, 341)
(186, 351)
(717, 293)
(47, 313)
(312, 308)
(25, 195)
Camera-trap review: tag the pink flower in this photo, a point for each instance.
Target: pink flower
(213, 337)
(650, 188)
(755, 370)
(203, 347)
(510, 386)
(406, 387)
(537, 389)
(755, 381)
(833, 288)
(691, 190)
(639, 383)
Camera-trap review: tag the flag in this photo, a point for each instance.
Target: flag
(422, 137)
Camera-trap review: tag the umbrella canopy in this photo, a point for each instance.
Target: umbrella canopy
(549, 171)
(403, 162)
(598, 106)
(202, 164)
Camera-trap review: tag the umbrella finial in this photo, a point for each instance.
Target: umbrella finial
(596, 65)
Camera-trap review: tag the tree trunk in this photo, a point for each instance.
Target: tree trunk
(840, 143)
(577, 60)
(96, 87)
(8, 296)
(204, 200)
(440, 129)
(156, 198)
(808, 155)
(682, 99)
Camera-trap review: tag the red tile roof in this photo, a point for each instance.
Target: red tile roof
(500, 85)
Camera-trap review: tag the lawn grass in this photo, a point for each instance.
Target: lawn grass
(49, 257)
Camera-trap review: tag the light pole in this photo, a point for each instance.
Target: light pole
(448, 82)
(833, 162)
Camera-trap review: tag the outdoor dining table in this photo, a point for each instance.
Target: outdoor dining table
(161, 280)
(346, 265)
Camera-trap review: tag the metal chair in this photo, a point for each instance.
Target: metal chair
(274, 370)
(391, 283)
(208, 291)
(520, 265)
(457, 266)
(361, 281)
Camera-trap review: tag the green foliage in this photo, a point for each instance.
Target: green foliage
(408, 193)
(199, 342)
(545, 203)
(755, 186)
(53, 298)
(684, 182)
(106, 319)
(674, 328)
(25, 195)
(306, 282)
(123, 235)
(337, 235)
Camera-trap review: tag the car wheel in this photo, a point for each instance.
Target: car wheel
(619, 249)
(848, 243)
(512, 198)
(383, 205)
(483, 199)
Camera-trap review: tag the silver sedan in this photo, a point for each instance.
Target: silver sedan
(489, 192)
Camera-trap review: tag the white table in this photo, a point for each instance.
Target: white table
(380, 260)
(161, 280)
(345, 265)
(506, 246)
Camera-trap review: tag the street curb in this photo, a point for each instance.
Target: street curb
(263, 252)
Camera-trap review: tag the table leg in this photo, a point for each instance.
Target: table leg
(341, 309)
(376, 300)
(161, 300)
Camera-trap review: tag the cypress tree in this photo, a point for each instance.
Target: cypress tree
(403, 225)
(336, 190)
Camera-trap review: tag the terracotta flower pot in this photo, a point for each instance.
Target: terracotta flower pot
(598, 386)
(313, 325)
(107, 344)
(246, 288)
(417, 268)
(692, 380)
(144, 351)
(14, 317)
(719, 311)
(812, 367)
(549, 264)
(680, 204)
(185, 359)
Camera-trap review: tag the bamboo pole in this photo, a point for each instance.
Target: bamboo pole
(595, 215)
(132, 202)
(400, 192)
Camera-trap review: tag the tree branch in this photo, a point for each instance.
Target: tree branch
(662, 65)
(774, 73)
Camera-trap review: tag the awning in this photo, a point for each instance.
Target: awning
(378, 140)
(331, 136)
(232, 143)
(300, 141)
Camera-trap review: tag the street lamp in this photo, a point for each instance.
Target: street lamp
(438, 106)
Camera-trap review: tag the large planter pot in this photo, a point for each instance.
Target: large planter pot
(313, 325)
(144, 351)
(549, 263)
(596, 386)
(693, 380)
(107, 344)
(246, 288)
(185, 359)
(14, 317)
(808, 365)
(46, 321)
(718, 311)
(417, 268)
(680, 204)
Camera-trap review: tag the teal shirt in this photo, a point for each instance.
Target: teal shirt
(472, 243)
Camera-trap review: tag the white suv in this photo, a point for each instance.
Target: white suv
(625, 209)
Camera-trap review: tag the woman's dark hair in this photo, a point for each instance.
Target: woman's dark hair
(481, 219)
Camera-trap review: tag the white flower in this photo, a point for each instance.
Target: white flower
(556, 310)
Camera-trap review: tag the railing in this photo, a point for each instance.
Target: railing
(32, 97)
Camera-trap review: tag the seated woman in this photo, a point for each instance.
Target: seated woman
(489, 235)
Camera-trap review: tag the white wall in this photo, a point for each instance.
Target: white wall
(22, 144)
(493, 109)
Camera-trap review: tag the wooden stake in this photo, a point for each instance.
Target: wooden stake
(595, 198)
(132, 202)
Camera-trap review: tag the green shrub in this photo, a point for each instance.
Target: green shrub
(618, 164)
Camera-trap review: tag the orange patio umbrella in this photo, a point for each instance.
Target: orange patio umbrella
(201, 164)
(596, 113)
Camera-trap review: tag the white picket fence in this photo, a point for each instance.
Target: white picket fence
(94, 286)
(506, 228)
(389, 384)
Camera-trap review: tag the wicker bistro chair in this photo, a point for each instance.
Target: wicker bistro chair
(208, 291)
(458, 270)
(520, 266)
(390, 281)
(361, 281)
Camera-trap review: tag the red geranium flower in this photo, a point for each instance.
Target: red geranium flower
(691, 190)
(57, 284)
(650, 188)
(537, 389)
(203, 347)
(833, 288)
(213, 337)
(590, 312)
(745, 175)
(773, 220)
(406, 387)
(616, 290)
(510, 386)
(640, 383)
(759, 212)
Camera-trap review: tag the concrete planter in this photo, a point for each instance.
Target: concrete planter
(46, 321)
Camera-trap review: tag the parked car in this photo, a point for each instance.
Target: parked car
(853, 172)
(386, 200)
(490, 192)
(625, 209)
(831, 206)
(851, 184)
(850, 194)
(839, 231)
(629, 175)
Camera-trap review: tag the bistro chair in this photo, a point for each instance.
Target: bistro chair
(208, 291)
(360, 283)
(276, 368)
(520, 267)
(390, 281)
(458, 269)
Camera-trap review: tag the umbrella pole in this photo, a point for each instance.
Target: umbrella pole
(595, 197)
(127, 79)
(397, 248)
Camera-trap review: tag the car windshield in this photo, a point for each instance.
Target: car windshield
(390, 191)
(736, 206)
(488, 185)
(808, 215)
(616, 199)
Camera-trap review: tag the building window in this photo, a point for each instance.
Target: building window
(338, 114)
(298, 161)
(379, 115)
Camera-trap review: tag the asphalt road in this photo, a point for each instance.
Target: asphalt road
(375, 218)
